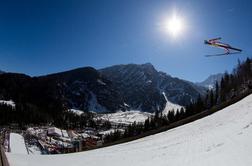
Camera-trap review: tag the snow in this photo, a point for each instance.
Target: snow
(41, 133)
(127, 117)
(222, 139)
(17, 144)
(149, 81)
(110, 131)
(75, 111)
(34, 150)
(210, 87)
(170, 106)
(94, 105)
(101, 82)
(8, 102)
(125, 104)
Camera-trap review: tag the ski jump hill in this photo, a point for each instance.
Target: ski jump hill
(223, 139)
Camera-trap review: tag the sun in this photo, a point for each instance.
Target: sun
(174, 25)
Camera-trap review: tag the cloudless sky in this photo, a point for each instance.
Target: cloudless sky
(38, 37)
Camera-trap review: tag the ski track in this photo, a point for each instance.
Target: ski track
(222, 139)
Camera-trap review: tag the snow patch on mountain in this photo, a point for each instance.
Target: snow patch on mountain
(94, 106)
(169, 106)
(101, 82)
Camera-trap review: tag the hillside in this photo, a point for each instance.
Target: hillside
(122, 87)
(85, 89)
(81, 88)
(211, 80)
(223, 138)
(143, 87)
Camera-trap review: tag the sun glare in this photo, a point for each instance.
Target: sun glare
(174, 26)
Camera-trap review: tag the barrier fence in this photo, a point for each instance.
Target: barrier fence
(3, 158)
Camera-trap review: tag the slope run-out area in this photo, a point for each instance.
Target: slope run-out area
(222, 139)
(17, 144)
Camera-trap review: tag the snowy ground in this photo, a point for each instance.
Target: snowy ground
(17, 144)
(222, 139)
(75, 111)
(110, 131)
(8, 102)
(127, 117)
(34, 150)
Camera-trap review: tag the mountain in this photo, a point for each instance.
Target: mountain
(1, 72)
(211, 80)
(120, 87)
(86, 89)
(82, 88)
(143, 87)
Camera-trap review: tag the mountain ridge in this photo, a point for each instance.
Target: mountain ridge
(210, 81)
(134, 79)
(118, 87)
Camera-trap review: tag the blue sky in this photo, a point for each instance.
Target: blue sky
(44, 36)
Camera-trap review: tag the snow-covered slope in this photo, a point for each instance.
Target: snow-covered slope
(222, 139)
(169, 106)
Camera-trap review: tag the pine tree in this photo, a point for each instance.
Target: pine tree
(171, 116)
(211, 98)
(222, 90)
(147, 124)
(216, 92)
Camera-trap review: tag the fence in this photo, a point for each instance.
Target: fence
(3, 158)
